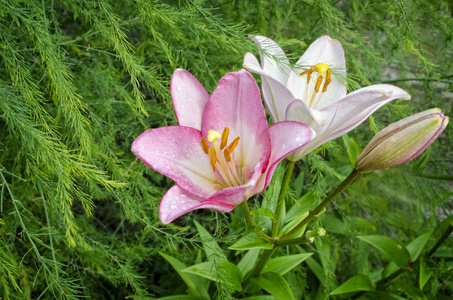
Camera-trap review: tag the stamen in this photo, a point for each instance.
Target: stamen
(308, 72)
(225, 134)
(328, 80)
(318, 83)
(233, 145)
(227, 155)
(204, 145)
(212, 158)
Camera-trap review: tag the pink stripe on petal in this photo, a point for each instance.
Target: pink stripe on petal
(176, 152)
(177, 202)
(236, 104)
(189, 98)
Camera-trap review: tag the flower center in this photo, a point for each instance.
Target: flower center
(227, 169)
(324, 74)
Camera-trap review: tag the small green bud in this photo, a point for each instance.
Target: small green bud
(402, 141)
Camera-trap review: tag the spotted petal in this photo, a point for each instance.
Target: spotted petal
(177, 202)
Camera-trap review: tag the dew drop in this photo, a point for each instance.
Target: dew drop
(298, 139)
(173, 207)
(179, 88)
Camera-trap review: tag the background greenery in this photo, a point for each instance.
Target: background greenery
(80, 80)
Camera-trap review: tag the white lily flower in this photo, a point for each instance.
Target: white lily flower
(313, 91)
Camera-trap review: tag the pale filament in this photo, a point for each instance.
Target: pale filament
(324, 74)
(225, 166)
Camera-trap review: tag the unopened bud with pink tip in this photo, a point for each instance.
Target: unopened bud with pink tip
(402, 141)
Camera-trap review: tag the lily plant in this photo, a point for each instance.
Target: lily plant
(223, 151)
(314, 90)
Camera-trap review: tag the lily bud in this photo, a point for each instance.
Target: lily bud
(402, 141)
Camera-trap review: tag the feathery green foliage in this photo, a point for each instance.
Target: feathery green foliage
(80, 80)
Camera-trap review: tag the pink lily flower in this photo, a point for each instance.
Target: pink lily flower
(314, 90)
(223, 150)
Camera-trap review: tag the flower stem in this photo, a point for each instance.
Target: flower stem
(249, 219)
(437, 176)
(281, 196)
(267, 254)
(354, 174)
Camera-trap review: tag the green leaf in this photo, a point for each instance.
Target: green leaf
(248, 261)
(181, 297)
(210, 246)
(416, 246)
(355, 284)
(274, 284)
(251, 241)
(392, 248)
(352, 148)
(194, 283)
(308, 201)
(283, 264)
(424, 274)
(219, 271)
(261, 297)
(293, 223)
(262, 213)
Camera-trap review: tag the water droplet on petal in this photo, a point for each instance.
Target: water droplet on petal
(173, 207)
(298, 139)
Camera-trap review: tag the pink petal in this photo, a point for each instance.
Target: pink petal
(236, 104)
(189, 98)
(286, 137)
(238, 194)
(176, 153)
(177, 202)
(273, 60)
(355, 107)
(323, 50)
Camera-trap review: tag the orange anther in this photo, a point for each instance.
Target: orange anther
(308, 72)
(318, 83)
(324, 88)
(204, 145)
(212, 158)
(232, 145)
(227, 155)
(225, 134)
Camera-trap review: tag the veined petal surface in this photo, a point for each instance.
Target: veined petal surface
(175, 151)
(189, 98)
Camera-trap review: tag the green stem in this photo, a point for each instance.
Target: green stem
(354, 174)
(249, 219)
(416, 79)
(437, 176)
(301, 240)
(281, 196)
(259, 266)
